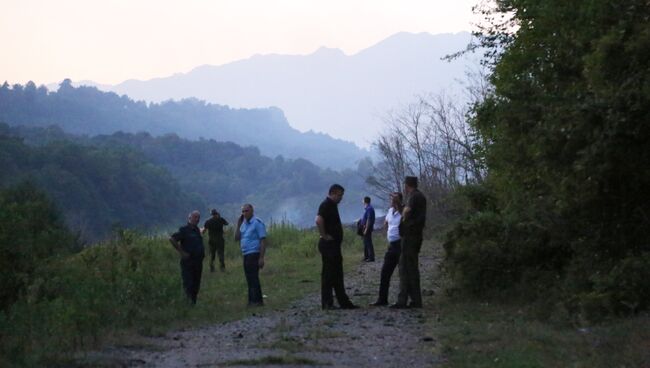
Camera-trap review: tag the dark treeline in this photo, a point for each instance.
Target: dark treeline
(96, 188)
(86, 110)
(563, 215)
(145, 182)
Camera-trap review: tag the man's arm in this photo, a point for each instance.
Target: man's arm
(178, 248)
(320, 223)
(237, 231)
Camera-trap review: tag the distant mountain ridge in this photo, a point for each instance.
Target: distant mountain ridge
(326, 91)
(87, 110)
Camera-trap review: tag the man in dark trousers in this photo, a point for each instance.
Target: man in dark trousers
(411, 227)
(329, 246)
(368, 224)
(189, 244)
(251, 233)
(214, 226)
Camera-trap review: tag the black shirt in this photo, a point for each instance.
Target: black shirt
(329, 211)
(189, 236)
(215, 226)
(413, 222)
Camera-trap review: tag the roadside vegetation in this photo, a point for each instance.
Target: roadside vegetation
(130, 286)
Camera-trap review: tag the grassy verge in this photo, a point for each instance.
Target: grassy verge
(480, 334)
(131, 286)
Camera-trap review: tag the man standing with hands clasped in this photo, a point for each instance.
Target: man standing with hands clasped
(251, 233)
(410, 228)
(189, 244)
(329, 246)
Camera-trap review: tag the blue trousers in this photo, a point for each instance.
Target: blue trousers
(368, 248)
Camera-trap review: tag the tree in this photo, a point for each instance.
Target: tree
(566, 134)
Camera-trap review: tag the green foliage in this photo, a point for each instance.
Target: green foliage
(566, 134)
(132, 284)
(31, 231)
(96, 188)
(209, 174)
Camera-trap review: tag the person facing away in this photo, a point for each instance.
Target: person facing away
(214, 225)
(251, 233)
(411, 227)
(391, 258)
(189, 244)
(329, 226)
(368, 224)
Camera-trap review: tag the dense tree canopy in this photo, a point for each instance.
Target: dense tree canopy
(567, 133)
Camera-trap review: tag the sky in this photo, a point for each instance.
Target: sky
(110, 41)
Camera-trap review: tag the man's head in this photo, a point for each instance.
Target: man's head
(410, 183)
(214, 212)
(366, 201)
(336, 193)
(247, 211)
(194, 217)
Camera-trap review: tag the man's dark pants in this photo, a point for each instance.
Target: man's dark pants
(217, 247)
(191, 269)
(409, 272)
(368, 248)
(252, 272)
(332, 274)
(391, 259)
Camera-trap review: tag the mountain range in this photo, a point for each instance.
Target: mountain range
(344, 96)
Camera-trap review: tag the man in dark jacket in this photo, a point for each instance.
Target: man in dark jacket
(368, 225)
(189, 244)
(214, 227)
(411, 228)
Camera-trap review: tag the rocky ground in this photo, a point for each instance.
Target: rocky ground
(302, 334)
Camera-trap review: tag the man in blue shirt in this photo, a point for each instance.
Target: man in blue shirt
(368, 224)
(189, 244)
(251, 233)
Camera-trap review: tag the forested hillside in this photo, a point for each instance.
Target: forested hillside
(96, 188)
(86, 110)
(147, 182)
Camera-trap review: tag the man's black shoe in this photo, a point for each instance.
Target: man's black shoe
(329, 307)
(350, 306)
(415, 306)
(399, 306)
(379, 304)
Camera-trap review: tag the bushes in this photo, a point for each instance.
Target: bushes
(31, 231)
(73, 301)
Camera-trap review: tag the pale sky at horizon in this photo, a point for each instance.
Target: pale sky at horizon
(112, 41)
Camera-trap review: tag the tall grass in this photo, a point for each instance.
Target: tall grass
(131, 285)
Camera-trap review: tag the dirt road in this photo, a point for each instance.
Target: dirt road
(304, 335)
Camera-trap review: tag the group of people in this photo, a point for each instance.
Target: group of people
(404, 222)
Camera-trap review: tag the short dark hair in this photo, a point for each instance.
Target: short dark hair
(366, 200)
(411, 181)
(398, 195)
(336, 188)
